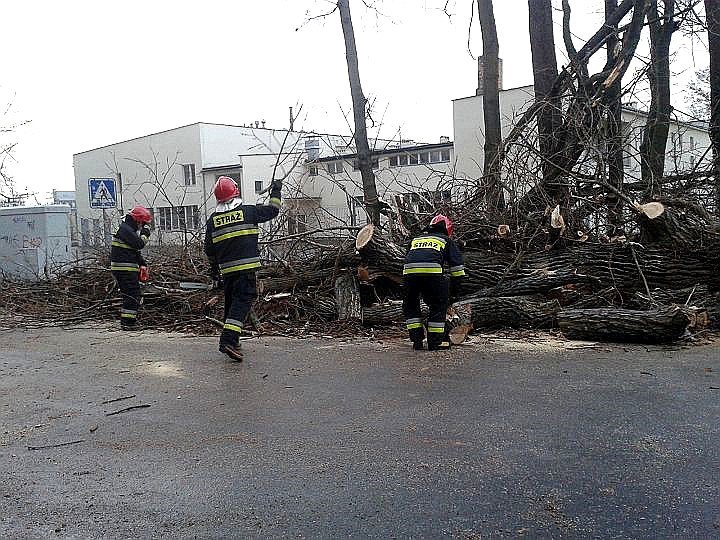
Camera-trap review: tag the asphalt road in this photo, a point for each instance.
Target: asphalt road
(331, 439)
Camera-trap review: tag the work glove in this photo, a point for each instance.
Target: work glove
(218, 283)
(145, 233)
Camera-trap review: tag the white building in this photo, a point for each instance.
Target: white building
(173, 172)
(687, 144)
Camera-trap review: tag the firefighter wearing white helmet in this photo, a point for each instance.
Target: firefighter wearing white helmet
(424, 277)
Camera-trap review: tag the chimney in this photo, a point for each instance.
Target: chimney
(481, 70)
(444, 139)
(263, 123)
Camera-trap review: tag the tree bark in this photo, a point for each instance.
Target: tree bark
(712, 11)
(511, 312)
(491, 102)
(652, 149)
(542, 46)
(615, 135)
(347, 297)
(662, 325)
(364, 156)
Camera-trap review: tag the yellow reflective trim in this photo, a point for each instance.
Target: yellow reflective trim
(427, 243)
(118, 243)
(237, 216)
(275, 201)
(436, 330)
(422, 271)
(232, 327)
(458, 273)
(239, 267)
(414, 325)
(124, 268)
(128, 316)
(244, 232)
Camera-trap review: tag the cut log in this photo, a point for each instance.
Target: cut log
(387, 313)
(290, 282)
(661, 325)
(347, 297)
(539, 282)
(379, 251)
(512, 312)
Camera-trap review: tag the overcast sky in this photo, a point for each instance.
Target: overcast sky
(87, 73)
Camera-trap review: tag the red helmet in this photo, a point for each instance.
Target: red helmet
(141, 214)
(445, 221)
(225, 189)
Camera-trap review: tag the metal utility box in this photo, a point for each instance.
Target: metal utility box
(34, 241)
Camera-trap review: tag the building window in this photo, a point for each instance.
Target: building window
(394, 161)
(445, 155)
(312, 170)
(335, 167)
(258, 186)
(178, 218)
(424, 157)
(189, 174)
(375, 164)
(692, 143)
(297, 222)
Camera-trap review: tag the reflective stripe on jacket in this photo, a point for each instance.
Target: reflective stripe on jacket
(428, 252)
(125, 248)
(231, 236)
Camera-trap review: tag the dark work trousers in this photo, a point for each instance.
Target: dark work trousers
(240, 293)
(434, 289)
(129, 284)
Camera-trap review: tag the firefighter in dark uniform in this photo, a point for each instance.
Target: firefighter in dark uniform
(126, 262)
(423, 277)
(231, 245)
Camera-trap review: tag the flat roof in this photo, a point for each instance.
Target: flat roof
(301, 132)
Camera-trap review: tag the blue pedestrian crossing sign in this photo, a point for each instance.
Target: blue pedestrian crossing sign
(102, 192)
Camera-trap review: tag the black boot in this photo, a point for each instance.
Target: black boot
(233, 351)
(418, 345)
(442, 346)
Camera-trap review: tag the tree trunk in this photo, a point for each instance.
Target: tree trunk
(511, 312)
(347, 297)
(662, 325)
(491, 102)
(652, 149)
(542, 46)
(712, 11)
(615, 135)
(364, 156)
(289, 282)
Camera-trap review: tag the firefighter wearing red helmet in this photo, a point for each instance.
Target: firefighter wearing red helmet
(231, 245)
(424, 277)
(127, 262)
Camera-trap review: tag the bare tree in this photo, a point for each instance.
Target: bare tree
(697, 95)
(657, 127)
(364, 156)
(615, 135)
(712, 11)
(542, 46)
(491, 102)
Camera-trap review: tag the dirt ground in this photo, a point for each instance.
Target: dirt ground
(502, 437)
